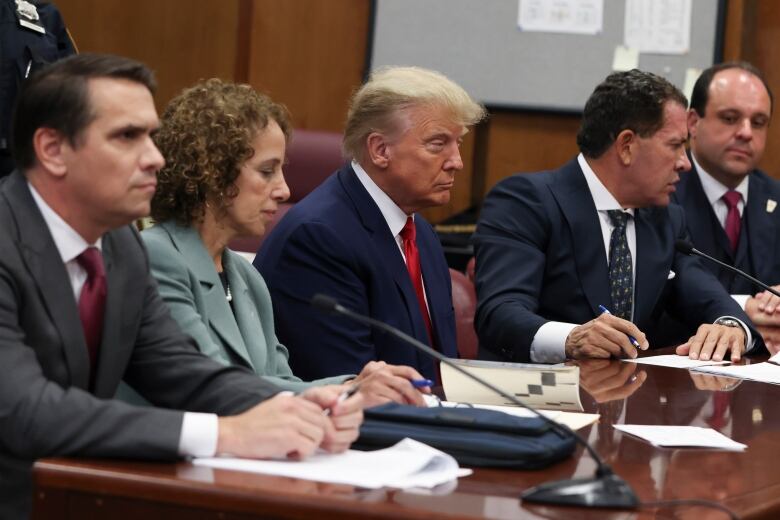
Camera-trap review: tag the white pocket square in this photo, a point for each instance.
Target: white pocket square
(671, 275)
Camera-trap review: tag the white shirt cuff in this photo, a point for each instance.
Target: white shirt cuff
(749, 342)
(199, 435)
(741, 299)
(549, 344)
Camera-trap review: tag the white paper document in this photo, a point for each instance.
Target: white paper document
(561, 16)
(674, 361)
(761, 372)
(407, 464)
(658, 26)
(681, 436)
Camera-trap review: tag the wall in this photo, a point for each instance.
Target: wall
(310, 55)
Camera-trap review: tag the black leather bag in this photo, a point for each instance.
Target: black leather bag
(475, 437)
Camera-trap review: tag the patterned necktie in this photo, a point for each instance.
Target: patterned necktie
(409, 237)
(92, 302)
(621, 277)
(733, 220)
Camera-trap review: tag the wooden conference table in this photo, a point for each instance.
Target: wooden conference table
(747, 482)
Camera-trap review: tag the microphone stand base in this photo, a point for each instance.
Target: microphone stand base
(608, 491)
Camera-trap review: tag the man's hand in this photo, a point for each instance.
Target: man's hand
(610, 380)
(764, 308)
(381, 383)
(603, 337)
(283, 426)
(771, 337)
(343, 425)
(714, 342)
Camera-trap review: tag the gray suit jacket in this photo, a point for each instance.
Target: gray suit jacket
(46, 408)
(191, 287)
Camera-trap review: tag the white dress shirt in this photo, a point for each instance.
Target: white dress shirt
(393, 215)
(549, 343)
(199, 431)
(714, 192)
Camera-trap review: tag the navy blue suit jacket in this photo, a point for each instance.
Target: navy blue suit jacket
(540, 257)
(336, 242)
(758, 252)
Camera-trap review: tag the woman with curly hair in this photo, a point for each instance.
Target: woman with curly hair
(224, 146)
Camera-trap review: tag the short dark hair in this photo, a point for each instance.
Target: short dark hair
(632, 100)
(57, 97)
(701, 89)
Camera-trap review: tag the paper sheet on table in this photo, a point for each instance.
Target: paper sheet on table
(407, 464)
(681, 436)
(674, 361)
(573, 420)
(761, 372)
(775, 358)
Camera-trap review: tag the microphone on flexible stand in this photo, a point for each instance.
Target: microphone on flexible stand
(686, 248)
(604, 489)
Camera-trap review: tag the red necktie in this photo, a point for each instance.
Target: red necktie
(733, 220)
(409, 236)
(92, 303)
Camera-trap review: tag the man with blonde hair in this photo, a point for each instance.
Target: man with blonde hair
(357, 237)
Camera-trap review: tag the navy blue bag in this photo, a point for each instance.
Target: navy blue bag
(475, 437)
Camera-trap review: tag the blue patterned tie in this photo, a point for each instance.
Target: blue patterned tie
(621, 277)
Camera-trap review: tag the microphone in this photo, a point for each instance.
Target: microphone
(604, 489)
(686, 248)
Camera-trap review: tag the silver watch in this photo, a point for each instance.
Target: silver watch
(728, 322)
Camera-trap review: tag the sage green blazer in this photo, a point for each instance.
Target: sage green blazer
(190, 285)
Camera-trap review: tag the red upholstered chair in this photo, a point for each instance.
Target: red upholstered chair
(311, 157)
(464, 300)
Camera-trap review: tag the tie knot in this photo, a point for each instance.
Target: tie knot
(732, 198)
(92, 261)
(618, 217)
(409, 232)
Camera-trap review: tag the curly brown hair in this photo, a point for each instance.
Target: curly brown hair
(206, 136)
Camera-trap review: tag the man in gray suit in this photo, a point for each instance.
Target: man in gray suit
(79, 310)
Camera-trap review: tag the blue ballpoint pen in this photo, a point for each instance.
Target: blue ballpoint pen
(631, 338)
(421, 383)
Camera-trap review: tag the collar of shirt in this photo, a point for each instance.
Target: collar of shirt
(69, 243)
(394, 216)
(602, 198)
(714, 190)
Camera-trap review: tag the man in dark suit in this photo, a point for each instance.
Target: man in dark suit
(358, 238)
(731, 106)
(553, 247)
(79, 310)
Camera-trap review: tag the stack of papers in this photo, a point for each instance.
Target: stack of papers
(551, 387)
(674, 361)
(681, 436)
(408, 464)
(761, 372)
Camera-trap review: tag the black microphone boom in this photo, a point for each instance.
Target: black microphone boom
(686, 248)
(605, 489)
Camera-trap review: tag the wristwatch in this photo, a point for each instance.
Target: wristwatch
(728, 322)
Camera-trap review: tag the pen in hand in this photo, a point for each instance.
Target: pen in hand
(421, 383)
(343, 396)
(631, 338)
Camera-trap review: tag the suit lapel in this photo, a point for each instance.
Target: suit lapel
(218, 314)
(653, 264)
(389, 254)
(438, 297)
(576, 203)
(761, 228)
(46, 268)
(701, 220)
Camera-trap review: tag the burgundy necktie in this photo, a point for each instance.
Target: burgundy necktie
(409, 236)
(92, 303)
(733, 220)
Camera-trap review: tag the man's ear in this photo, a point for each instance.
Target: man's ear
(51, 148)
(378, 150)
(693, 121)
(625, 144)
